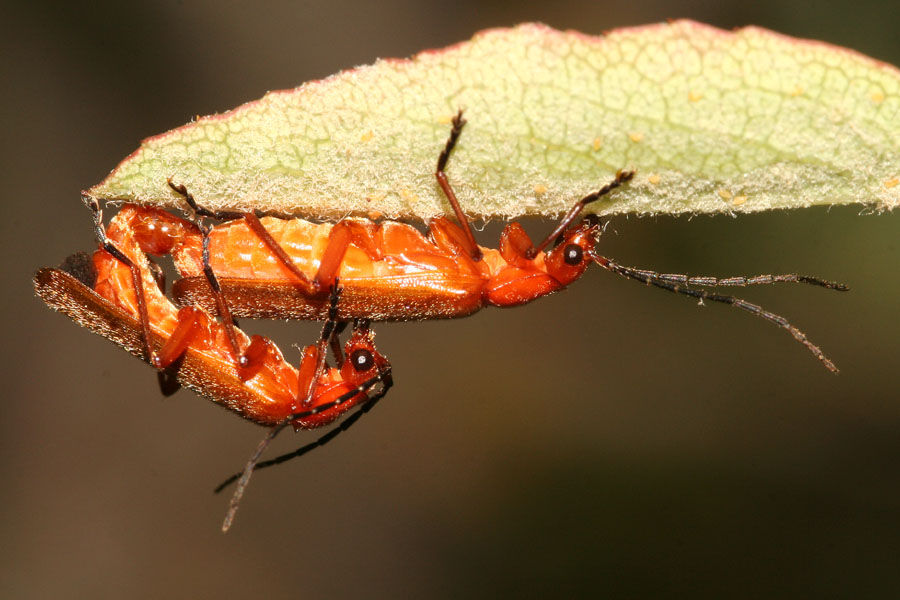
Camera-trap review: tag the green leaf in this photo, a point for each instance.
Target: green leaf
(713, 121)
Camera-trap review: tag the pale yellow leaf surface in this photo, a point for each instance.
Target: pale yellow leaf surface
(713, 121)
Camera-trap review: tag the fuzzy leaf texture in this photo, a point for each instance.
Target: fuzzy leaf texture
(713, 121)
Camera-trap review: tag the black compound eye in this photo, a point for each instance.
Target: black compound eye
(573, 254)
(362, 359)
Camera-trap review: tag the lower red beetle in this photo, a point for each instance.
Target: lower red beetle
(115, 293)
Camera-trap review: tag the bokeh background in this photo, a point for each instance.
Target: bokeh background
(607, 441)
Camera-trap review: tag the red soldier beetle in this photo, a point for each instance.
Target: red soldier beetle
(276, 268)
(122, 270)
(115, 293)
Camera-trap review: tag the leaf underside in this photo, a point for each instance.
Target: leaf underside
(713, 121)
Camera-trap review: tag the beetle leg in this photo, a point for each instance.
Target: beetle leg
(458, 123)
(621, 177)
(202, 211)
(136, 278)
(312, 365)
(192, 320)
(180, 340)
(254, 224)
(342, 235)
(221, 304)
(515, 244)
(189, 322)
(310, 287)
(168, 381)
(336, 351)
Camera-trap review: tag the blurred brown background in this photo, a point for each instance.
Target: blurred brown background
(610, 440)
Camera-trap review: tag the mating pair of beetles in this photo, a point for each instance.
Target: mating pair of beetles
(355, 271)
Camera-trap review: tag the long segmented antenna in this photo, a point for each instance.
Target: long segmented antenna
(674, 283)
(318, 443)
(244, 478)
(739, 281)
(221, 304)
